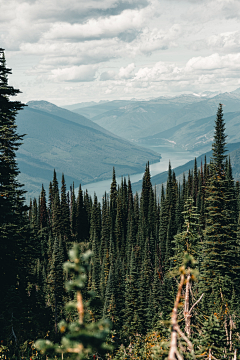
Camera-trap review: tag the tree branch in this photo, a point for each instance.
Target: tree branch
(173, 345)
(196, 303)
(190, 345)
(80, 307)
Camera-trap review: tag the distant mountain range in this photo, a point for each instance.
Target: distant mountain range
(73, 145)
(184, 121)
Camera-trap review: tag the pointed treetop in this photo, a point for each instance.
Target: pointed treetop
(219, 143)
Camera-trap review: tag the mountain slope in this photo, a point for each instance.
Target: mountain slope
(102, 107)
(65, 114)
(196, 111)
(197, 134)
(84, 153)
(235, 161)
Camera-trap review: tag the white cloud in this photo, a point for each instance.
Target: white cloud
(231, 62)
(55, 54)
(151, 40)
(98, 28)
(229, 41)
(108, 75)
(155, 73)
(30, 21)
(124, 73)
(74, 73)
(127, 72)
(169, 45)
(197, 73)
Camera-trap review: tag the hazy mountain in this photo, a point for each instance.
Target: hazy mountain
(132, 120)
(137, 119)
(197, 134)
(236, 91)
(98, 109)
(235, 161)
(80, 149)
(210, 93)
(65, 114)
(83, 105)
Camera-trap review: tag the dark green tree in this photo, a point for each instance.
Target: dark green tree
(65, 214)
(14, 236)
(220, 266)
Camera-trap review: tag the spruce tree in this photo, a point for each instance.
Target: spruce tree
(113, 201)
(14, 235)
(65, 214)
(220, 274)
(43, 216)
(81, 218)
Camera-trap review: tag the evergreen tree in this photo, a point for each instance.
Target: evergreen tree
(55, 280)
(81, 218)
(220, 275)
(73, 211)
(65, 214)
(14, 235)
(113, 201)
(43, 210)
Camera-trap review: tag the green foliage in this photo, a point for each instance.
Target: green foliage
(212, 340)
(220, 266)
(81, 338)
(15, 241)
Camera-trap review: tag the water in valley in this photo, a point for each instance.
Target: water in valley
(176, 158)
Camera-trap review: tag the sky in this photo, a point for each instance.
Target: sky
(72, 51)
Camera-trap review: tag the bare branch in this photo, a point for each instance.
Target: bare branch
(173, 345)
(235, 354)
(190, 345)
(196, 303)
(179, 356)
(80, 307)
(186, 313)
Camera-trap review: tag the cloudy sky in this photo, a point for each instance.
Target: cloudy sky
(69, 51)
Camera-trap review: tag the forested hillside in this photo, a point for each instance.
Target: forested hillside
(163, 275)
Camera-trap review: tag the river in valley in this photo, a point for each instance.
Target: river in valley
(176, 158)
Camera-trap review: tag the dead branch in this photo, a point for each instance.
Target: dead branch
(80, 307)
(186, 313)
(196, 303)
(173, 345)
(232, 326)
(235, 354)
(179, 356)
(190, 345)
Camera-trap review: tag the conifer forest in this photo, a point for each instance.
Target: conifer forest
(128, 276)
